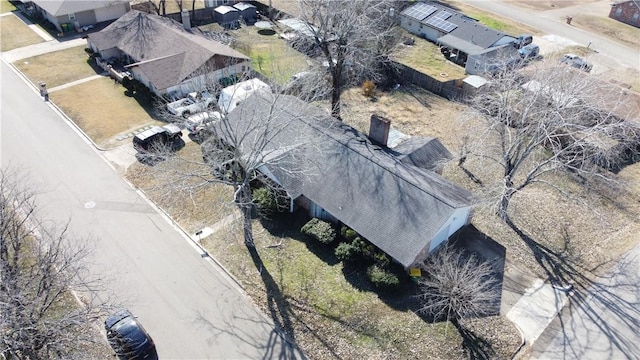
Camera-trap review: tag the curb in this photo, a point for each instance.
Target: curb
(203, 251)
(69, 121)
(523, 342)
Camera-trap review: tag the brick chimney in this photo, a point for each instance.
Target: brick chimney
(379, 129)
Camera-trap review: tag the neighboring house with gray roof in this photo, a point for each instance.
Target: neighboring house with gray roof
(405, 210)
(164, 56)
(454, 30)
(75, 14)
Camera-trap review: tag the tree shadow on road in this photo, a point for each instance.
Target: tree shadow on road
(589, 293)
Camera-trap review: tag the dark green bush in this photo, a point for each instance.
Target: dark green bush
(89, 51)
(382, 278)
(265, 200)
(347, 252)
(364, 248)
(381, 259)
(319, 230)
(348, 233)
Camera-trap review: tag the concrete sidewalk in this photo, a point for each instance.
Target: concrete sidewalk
(535, 310)
(41, 48)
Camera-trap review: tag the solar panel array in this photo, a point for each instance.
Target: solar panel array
(444, 15)
(441, 24)
(420, 11)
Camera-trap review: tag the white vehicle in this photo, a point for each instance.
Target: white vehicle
(233, 95)
(194, 102)
(198, 124)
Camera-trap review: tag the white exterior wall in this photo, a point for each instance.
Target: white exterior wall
(457, 220)
(113, 11)
(415, 27)
(200, 82)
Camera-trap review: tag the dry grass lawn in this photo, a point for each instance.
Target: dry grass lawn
(615, 30)
(425, 57)
(607, 224)
(6, 6)
(101, 110)
(190, 205)
(331, 311)
(16, 34)
(57, 68)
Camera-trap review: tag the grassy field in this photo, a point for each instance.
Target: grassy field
(271, 55)
(615, 30)
(58, 67)
(16, 34)
(425, 57)
(101, 109)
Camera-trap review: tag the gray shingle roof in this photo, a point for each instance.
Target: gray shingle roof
(396, 206)
(467, 28)
(158, 41)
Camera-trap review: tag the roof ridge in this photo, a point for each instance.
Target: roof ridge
(405, 167)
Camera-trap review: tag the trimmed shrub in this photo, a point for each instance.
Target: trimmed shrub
(382, 278)
(347, 252)
(265, 200)
(319, 230)
(348, 233)
(381, 259)
(364, 248)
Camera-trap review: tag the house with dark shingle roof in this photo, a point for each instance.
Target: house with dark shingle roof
(405, 210)
(164, 56)
(463, 35)
(79, 13)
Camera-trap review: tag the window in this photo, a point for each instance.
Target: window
(635, 17)
(72, 16)
(618, 11)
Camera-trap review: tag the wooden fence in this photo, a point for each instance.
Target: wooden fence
(447, 90)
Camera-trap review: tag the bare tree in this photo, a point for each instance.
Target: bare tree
(263, 141)
(457, 286)
(354, 39)
(40, 268)
(548, 119)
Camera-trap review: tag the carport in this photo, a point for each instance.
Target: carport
(461, 48)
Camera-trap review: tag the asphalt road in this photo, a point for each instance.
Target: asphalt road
(188, 305)
(548, 22)
(602, 324)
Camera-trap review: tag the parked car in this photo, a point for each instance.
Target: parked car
(128, 338)
(529, 52)
(576, 61)
(522, 40)
(155, 140)
(199, 124)
(193, 103)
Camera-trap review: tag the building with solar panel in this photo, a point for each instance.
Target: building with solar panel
(460, 36)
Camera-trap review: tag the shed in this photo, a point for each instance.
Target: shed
(472, 83)
(227, 16)
(247, 12)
